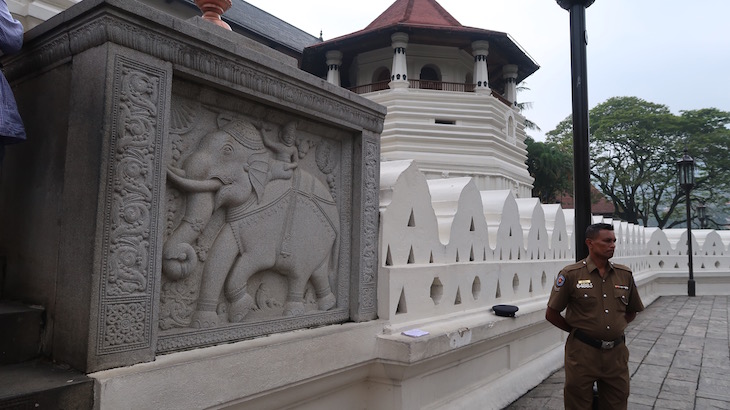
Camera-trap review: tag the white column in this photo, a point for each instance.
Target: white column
(509, 73)
(480, 50)
(399, 73)
(334, 61)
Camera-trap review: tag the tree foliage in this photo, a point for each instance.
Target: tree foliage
(634, 148)
(552, 169)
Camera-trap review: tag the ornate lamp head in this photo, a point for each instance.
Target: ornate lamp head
(686, 171)
(567, 4)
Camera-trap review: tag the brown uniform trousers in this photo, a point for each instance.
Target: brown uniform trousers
(584, 364)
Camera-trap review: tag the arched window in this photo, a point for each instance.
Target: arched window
(511, 137)
(430, 77)
(381, 78)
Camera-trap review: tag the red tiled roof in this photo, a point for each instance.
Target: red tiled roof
(425, 22)
(602, 207)
(419, 12)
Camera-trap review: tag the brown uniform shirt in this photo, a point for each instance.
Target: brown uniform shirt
(596, 305)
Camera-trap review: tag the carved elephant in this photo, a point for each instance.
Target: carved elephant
(278, 217)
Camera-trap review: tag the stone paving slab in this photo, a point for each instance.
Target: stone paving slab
(679, 358)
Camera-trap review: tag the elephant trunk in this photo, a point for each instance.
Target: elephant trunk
(179, 258)
(192, 185)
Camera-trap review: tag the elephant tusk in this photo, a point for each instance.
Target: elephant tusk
(192, 185)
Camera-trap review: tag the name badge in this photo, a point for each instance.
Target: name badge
(584, 284)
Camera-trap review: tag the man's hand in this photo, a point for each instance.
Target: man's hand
(554, 317)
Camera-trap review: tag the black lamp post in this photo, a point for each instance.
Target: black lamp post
(686, 175)
(579, 85)
(702, 215)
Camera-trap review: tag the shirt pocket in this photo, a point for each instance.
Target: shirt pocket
(622, 299)
(586, 300)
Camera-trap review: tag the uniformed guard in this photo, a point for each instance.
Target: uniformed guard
(600, 299)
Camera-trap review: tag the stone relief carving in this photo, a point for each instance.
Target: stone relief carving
(131, 208)
(253, 228)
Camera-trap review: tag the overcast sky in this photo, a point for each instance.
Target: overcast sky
(670, 52)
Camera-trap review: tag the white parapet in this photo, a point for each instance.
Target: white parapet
(509, 252)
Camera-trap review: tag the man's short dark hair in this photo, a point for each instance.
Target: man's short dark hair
(592, 230)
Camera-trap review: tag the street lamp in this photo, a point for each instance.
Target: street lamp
(702, 215)
(579, 85)
(686, 175)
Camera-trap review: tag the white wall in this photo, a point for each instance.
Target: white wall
(470, 358)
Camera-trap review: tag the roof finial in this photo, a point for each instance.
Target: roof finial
(320, 36)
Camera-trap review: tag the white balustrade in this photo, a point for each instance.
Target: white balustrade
(448, 248)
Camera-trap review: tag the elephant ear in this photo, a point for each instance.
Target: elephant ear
(258, 173)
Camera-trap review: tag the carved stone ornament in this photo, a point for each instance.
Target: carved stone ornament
(131, 216)
(253, 228)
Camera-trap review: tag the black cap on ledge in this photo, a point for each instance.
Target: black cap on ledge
(505, 310)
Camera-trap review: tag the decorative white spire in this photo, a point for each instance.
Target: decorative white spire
(399, 73)
(480, 50)
(334, 61)
(509, 73)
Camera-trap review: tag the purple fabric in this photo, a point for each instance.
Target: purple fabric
(11, 40)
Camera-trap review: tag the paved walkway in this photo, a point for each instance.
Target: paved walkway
(679, 358)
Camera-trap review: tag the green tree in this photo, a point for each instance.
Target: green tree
(551, 168)
(633, 151)
(522, 106)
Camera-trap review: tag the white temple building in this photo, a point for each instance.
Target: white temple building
(450, 92)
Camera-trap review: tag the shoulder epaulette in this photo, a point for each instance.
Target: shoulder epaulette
(620, 266)
(574, 266)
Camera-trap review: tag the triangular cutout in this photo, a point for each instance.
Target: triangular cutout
(484, 257)
(510, 231)
(411, 258)
(457, 255)
(471, 254)
(676, 266)
(471, 227)
(411, 220)
(430, 258)
(498, 294)
(388, 258)
(703, 266)
(538, 234)
(402, 307)
(457, 301)
(530, 285)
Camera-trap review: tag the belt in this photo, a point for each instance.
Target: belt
(598, 343)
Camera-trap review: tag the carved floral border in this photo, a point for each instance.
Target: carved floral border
(131, 207)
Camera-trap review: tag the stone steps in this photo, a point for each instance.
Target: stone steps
(21, 328)
(39, 384)
(27, 381)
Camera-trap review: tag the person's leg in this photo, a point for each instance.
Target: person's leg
(613, 386)
(581, 367)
